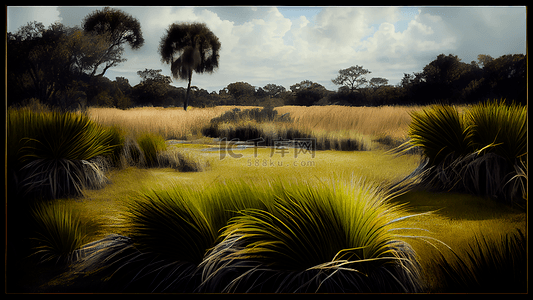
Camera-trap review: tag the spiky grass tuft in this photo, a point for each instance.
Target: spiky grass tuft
(169, 223)
(169, 232)
(151, 144)
(440, 132)
(483, 151)
(336, 238)
(500, 127)
(59, 233)
(51, 151)
(150, 150)
(278, 237)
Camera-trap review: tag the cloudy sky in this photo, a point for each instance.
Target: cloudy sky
(285, 45)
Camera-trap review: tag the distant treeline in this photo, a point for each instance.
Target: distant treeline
(53, 66)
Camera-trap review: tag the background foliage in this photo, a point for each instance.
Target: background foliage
(58, 66)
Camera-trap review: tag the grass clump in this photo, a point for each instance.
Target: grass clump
(60, 233)
(337, 238)
(150, 150)
(246, 125)
(151, 145)
(168, 232)
(188, 162)
(51, 154)
(482, 151)
(267, 128)
(500, 126)
(239, 237)
(266, 114)
(170, 224)
(118, 138)
(440, 132)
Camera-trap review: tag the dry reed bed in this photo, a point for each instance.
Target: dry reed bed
(390, 121)
(174, 123)
(171, 123)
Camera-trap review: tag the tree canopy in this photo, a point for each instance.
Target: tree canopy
(351, 77)
(117, 28)
(64, 66)
(188, 48)
(45, 63)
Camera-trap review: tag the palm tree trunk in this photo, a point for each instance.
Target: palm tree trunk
(186, 103)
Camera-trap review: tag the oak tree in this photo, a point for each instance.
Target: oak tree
(351, 77)
(118, 28)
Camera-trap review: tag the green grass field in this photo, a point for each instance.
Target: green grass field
(455, 219)
(448, 219)
(263, 165)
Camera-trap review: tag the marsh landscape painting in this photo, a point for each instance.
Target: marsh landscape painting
(266, 149)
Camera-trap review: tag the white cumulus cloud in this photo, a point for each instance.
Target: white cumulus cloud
(286, 45)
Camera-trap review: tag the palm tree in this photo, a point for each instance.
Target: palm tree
(189, 47)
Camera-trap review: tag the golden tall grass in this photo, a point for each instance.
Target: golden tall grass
(171, 123)
(175, 123)
(390, 121)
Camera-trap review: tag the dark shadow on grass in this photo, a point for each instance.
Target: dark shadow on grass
(456, 206)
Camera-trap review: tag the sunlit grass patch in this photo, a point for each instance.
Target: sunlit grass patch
(224, 201)
(457, 220)
(368, 121)
(171, 123)
(185, 239)
(335, 237)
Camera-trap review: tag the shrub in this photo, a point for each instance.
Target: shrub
(245, 125)
(151, 144)
(330, 141)
(35, 105)
(500, 127)
(440, 132)
(52, 151)
(60, 232)
(252, 131)
(482, 151)
(252, 124)
(267, 114)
